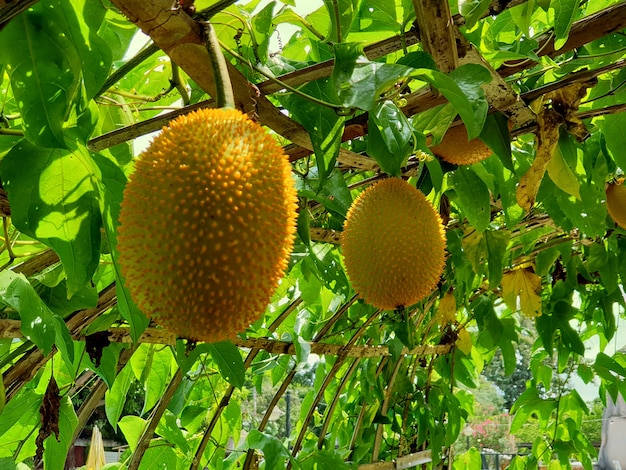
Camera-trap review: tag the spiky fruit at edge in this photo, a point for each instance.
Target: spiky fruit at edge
(207, 225)
(393, 245)
(455, 147)
(616, 202)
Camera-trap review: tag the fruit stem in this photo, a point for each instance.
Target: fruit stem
(224, 90)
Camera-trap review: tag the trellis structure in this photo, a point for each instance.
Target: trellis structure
(387, 401)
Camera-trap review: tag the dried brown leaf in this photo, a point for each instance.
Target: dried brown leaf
(49, 412)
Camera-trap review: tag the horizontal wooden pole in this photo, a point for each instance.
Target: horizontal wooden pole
(11, 329)
(401, 463)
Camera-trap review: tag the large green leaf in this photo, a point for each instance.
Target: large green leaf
(564, 14)
(111, 183)
(472, 196)
(39, 324)
(341, 13)
(132, 427)
(390, 137)
(55, 452)
(228, 359)
(80, 20)
(115, 397)
(323, 124)
(274, 451)
(612, 127)
(53, 199)
(473, 10)
(262, 28)
(45, 71)
(360, 83)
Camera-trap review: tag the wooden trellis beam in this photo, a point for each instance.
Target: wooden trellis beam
(11, 329)
(181, 38)
(436, 32)
(401, 463)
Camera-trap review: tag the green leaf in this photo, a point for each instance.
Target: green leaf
(169, 428)
(496, 135)
(55, 452)
(93, 52)
(19, 418)
(158, 457)
(228, 359)
(45, 71)
(562, 175)
(7, 463)
(360, 83)
(262, 27)
(435, 121)
(303, 226)
(303, 349)
(564, 14)
(612, 127)
(39, 324)
(472, 196)
(469, 78)
(473, 10)
(344, 11)
(3, 396)
(323, 124)
(111, 183)
(323, 459)
(522, 15)
(390, 137)
(115, 397)
(53, 200)
(56, 299)
(497, 242)
(132, 427)
(273, 450)
(469, 459)
(157, 379)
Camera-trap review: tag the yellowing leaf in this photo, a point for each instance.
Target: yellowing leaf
(464, 341)
(562, 175)
(447, 310)
(525, 285)
(547, 139)
(556, 108)
(474, 248)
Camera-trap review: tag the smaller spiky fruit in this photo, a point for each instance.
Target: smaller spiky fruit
(455, 147)
(616, 202)
(207, 224)
(393, 245)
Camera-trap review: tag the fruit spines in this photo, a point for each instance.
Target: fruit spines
(393, 245)
(207, 224)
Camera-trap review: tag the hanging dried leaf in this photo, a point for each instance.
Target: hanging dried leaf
(95, 343)
(524, 284)
(555, 108)
(49, 412)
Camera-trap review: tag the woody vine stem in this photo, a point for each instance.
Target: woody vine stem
(224, 90)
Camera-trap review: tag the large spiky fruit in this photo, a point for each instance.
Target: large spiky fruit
(616, 202)
(455, 147)
(207, 225)
(393, 245)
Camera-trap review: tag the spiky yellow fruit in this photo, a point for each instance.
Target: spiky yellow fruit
(455, 147)
(207, 225)
(616, 202)
(393, 245)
